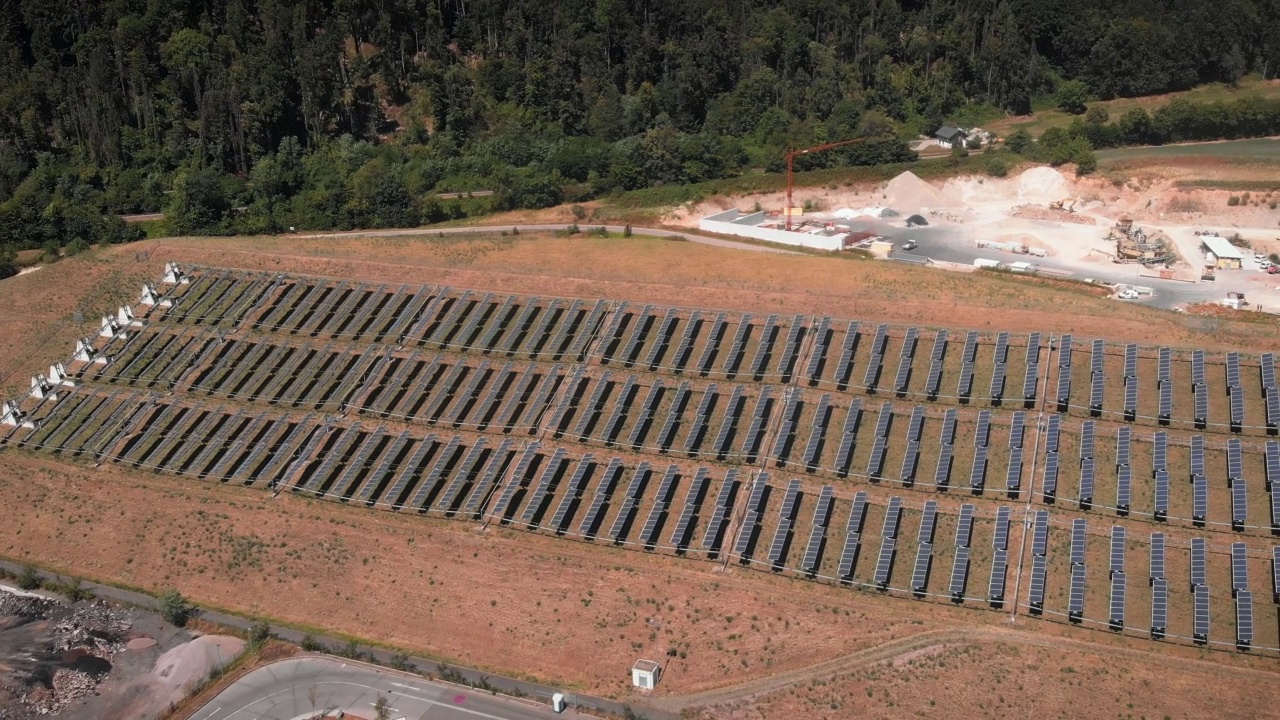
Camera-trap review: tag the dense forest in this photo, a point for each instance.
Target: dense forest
(244, 116)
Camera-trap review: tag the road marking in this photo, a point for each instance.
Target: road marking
(428, 701)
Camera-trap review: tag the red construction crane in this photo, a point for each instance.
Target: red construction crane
(791, 156)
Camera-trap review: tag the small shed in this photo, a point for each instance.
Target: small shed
(1220, 253)
(950, 135)
(645, 673)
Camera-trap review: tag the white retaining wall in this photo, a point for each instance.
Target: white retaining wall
(731, 222)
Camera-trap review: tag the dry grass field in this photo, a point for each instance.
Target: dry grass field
(736, 642)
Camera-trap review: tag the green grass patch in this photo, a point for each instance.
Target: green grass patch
(154, 228)
(1239, 185)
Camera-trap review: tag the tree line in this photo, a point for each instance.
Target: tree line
(254, 115)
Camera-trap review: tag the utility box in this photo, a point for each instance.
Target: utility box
(557, 702)
(645, 673)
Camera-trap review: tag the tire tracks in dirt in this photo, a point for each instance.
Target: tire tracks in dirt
(887, 652)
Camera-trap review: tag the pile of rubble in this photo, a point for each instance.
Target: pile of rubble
(1040, 212)
(53, 654)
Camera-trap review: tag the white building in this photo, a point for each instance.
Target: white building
(1220, 253)
(644, 674)
(758, 225)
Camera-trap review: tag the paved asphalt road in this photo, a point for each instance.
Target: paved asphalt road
(298, 687)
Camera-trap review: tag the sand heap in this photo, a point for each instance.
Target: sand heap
(907, 193)
(1042, 185)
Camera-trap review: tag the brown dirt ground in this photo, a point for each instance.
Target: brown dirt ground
(520, 603)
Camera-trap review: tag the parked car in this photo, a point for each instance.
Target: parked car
(910, 245)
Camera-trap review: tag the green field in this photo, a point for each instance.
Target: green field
(1255, 149)
(1038, 122)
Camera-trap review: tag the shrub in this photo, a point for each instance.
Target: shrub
(1018, 141)
(578, 211)
(573, 229)
(996, 165)
(175, 609)
(1233, 201)
(259, 632)
(626, 231)
(28, 579)
(310, 644)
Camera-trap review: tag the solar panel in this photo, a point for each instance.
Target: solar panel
(1275, 574)
(711, 538)
(822, 338)
(734, 357)
(965, 387)
(1130, 398)
(1199, 499)
(1117, 549)
(759, 417)
(1166, 401)
(1062, 392)
(1233, 369)
(1095, 391)
(1200, 624)
(996, 391)
(845, 364)
(1197, 367)
(666, 436)
(1086, 482)
(1040, 536)
(750, 521)
(1164, 372)
(1000, 538)
(680, 537)
(1199, 551)
(629, 502)
(1131, 360)
(713, 344)
(1273, 410)
(928, 522)
(594, 405)
(661, 500)
(905, 360)
(933, 384)
(1159, 607)
(853, 530)
(765, 349)
(1096, 357)
(786, 516)
(941, 473)
(1235, 462)
(469, 468)
(970, 353)
(607, 483)
(821, 513)
(892, 517)
(1030, 380)
(664, 330)
(1013, 475)
(542, 486)
(1239, 567)
(1036, 594)
(639, 331)
(1033, 348)
(1244, 619)
(1116, 616)
(785, 433)
(1157, 555)
(875, 463)
(920, 574)
(1002, 347)
(1197, 456)
(1050, 484)
(847, 435)
(1064, 351)
(959, 574)
(982, 434)
(1236, 401)
(791, 347)
(995, 586)
(1201, 404)
(1053, 428)
(814, 445)
(1124, 489)
(649, 410)
(573, 491)
(1017, 425)
(884, 564)
(1239, 505)
(1268, 371)
(883, 420)
(872, 374)
(964, 525)
(619, 413)
(1273, 466)
(948, 435)
(1124, 445)
(1086, 439)
(732, 410)
(1161, 500)
(1078, 541)
(1075, 596)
